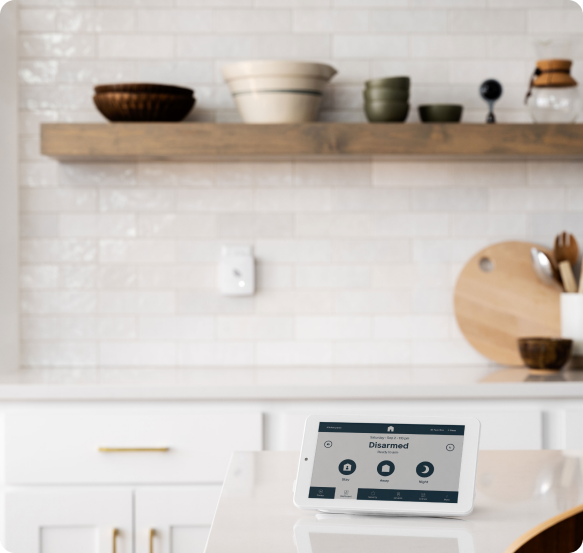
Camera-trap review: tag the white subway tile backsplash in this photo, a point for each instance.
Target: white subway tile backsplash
(116, 328)
(448, 46)
(126, 302)
(132, 354)
(124, 46)
(255, 328)
(293, 199)
(78, 276)
(485, 21)
(294, 353)
(356, 261)
(117, 277)
(371, 251)
(173, 225)
(214, 200)
(254, 174)
(177, 276)
(411, 327)
(333, 328)
(39, 226)
(450, 199)
(408, 21)
(209, 302)
(136, 251)
(348, 225)
(102, 225)
(216, 354)
(55, 200)
(555, 174)
(174, 21)
(330, 21)
(373, 301)
(39, 276)
(58, 45)
(335, 174)
(293, 251)
(369, 46)
(411, 225)
(58, 251)
(37, 20)
(176, 328)
(528, 199)
(95, 21)
(136, 200)
(252, 21)
(372, 353)
(332, 276)
(91, 175)
(243, 225)
(58, 302)
(59, 354)
(352, 199)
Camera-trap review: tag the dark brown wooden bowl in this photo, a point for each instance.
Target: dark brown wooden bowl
(545, 353)
(144, 87)
(141, 106)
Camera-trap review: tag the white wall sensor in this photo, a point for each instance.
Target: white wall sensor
(237, 271)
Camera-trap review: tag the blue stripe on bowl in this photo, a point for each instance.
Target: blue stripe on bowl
(280, 91)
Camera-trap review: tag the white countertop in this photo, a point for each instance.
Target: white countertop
(516, 491)
(224, 384)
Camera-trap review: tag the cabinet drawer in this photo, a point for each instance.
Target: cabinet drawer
(99, 446)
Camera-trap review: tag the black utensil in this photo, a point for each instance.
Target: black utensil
(491, 90)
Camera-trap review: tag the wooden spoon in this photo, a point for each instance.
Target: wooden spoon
(566, 249)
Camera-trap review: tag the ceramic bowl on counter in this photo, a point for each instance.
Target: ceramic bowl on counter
(401, 83)
(143, 102)
(278, 91)
(545, 353)
(386, 111)
(386, 100)
(441, 113)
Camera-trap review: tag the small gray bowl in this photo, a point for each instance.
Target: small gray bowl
(402, 83)
(441, 113)
(393, 94)
(383, 111)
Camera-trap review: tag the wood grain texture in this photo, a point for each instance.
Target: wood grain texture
(494, 309)
(123, 141)
(561, 534)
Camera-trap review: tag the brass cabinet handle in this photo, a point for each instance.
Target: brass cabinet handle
(152, 533)
(133, 449)
(115, 535)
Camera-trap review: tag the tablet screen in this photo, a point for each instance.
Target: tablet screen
(388, 462)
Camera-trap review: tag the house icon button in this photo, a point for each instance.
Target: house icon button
(348, 466)
(391, 429)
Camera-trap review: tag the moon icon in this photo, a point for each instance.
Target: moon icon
(425, 469)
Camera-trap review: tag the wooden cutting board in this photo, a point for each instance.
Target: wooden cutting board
(498, 298)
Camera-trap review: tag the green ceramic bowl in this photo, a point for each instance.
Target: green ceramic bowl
(402, 83)
(441, 113)
(383, 111)
(393, 94)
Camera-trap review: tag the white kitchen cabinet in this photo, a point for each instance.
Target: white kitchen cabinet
(193, 447)
(573, 429)
(174, 520)
(68, 521)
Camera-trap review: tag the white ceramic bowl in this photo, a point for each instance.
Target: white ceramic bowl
(278, 107)
(277, 91)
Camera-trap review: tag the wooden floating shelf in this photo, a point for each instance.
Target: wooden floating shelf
(198, 141)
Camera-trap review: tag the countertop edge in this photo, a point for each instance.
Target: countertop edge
(118, 392)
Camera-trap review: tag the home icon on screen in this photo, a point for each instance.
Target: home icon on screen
(390, 429)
